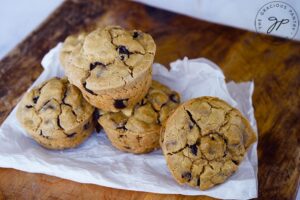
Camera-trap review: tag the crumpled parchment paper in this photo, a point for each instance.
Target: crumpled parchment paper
(96, 161)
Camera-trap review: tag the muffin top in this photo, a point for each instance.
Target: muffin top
(107, 58)
(148, 115)
(55, 109)
(204, 141)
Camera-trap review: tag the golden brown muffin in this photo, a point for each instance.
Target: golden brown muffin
(111, 66)
(137, 129)
(204, 141)
(56, 115)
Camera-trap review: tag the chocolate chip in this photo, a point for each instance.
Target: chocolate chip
(71, 135)
(28, 106)
(235, 162)
(88, 90)
(98, 127)
(121, 136)
(198, 182)
(120, 103)
(194, 149)
(95, 64)
(96, 114)
(35, 99)
(174, 97)
(123, 50)
(187, 176)
(86, 126)
(126, 147)
(135, 34)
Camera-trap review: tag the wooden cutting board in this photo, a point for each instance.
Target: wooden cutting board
(273, 64)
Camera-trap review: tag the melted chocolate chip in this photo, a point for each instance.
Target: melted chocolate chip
(187, 176)
(123, 50)
(126, 147)
(212, 138)
(120, 103)
(121, 136)
(173, 97)
(35, 99)
(71, 135)
(88, 90)
(28, 106)
(95, 64)
(235, 162)
(194, 149)
(198, 182)
(96, 114)
(98, 127)
(86, 126)
(135, 34)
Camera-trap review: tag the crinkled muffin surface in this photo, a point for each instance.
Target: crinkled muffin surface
(111, 66)
(137, 129)
(204, 141)
(56, 115)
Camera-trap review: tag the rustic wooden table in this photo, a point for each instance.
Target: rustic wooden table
(273, 64)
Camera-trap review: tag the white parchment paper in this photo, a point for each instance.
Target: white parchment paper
(96, 161)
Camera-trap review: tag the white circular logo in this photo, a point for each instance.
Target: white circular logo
(277, 18)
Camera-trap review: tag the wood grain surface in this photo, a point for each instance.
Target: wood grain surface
(273, 64)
